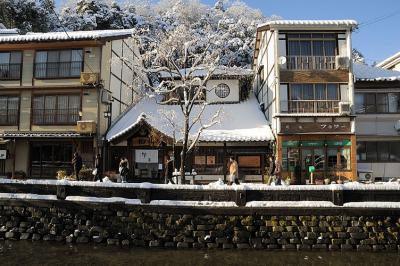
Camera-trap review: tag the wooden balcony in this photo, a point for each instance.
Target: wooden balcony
(310, 106)
(10, 71)
(55, 116)
(310, 62)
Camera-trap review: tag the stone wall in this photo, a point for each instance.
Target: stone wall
(174, 227)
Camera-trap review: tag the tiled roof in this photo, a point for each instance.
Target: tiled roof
(364, 72)
(62, 36)
(342, 23)
(238, 122)
(19, 134)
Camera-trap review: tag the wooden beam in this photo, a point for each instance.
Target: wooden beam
(49, 45)
(314, 76)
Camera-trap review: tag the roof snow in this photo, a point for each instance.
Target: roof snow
(339, 23)
(203, 71)
(390, 61)
(65, 36)
(364, 72)
(238, 122)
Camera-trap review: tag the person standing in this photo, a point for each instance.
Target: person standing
(169, 169)
(271, 170)
(233, 171)
(278, 173)
(98, 164)
(297, 173)
(77, 165)
(124, 171)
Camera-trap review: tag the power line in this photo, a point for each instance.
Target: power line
(378, 19)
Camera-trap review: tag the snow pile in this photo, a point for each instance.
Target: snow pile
(104, 200)
(290, 204)
(216, 184)
(373, 204)
(27, 196)
(193, 203)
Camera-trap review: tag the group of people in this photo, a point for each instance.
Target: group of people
(98, 168)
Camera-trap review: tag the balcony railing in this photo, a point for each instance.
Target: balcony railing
(310, 106)
(10, 71)
(9, 117)
(58, 69)
(55, 116)
(310, 62)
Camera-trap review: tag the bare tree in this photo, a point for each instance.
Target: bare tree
(179, 75)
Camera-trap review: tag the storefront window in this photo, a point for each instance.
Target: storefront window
(339, 158)
(208, 161)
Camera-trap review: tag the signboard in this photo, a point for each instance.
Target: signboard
(317, 127)
(249, 161)
(3, 154)
(146, 156)
(344, 142)
(210, 160)
(200, 160)
(312, 143)
(290, 143)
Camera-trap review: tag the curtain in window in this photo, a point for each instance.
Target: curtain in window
(345, 158)
(382, 102)
(3, 110)
(38, 110)
(4, 58)
(40, 66)
(65, 63)
(62, 109)
(320, 92)
(74, 107)
(330, 48)
(295, 92)
(332, 92)
(293, 48)
(318, 48)
(50, 109)
(76, 62)
(308, 92)
(359, 103)
(305, 48)
(394, 100)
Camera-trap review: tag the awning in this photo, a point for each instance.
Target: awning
(238, 122)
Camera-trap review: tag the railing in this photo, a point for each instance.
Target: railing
(311, 62)
(10, 71)
(310, 106)
(58, 69)
(55, 116)
(9, 117)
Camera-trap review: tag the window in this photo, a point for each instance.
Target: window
(10, 65)
(9, 110)
(314, 98)
(222, 90)
(311, 51)
(59, 63)
(208, 161)
(378, 151)
(56, 109)
(371, 103)
(339, 158)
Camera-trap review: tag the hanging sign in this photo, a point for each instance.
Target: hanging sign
(3, 154)
(146, 156)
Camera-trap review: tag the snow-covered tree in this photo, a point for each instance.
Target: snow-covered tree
(28, 15)
(183, 83)
(357, 56)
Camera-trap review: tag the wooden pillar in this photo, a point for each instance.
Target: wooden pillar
(262, 167)
(224, 163)
(13, 167)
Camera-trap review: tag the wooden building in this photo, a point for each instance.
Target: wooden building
(304, 82)
(145, 134)
(58, 93)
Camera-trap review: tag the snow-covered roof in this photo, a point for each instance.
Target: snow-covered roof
(364, 72)
(390, 61)
(65, 36)
(348, 23)
(220, 71)
(238, 122)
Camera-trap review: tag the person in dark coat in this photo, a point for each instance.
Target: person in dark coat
(169, 170)
(297, 173)
(77, 165)
(271, 170)
(124, 171)
(98, 164)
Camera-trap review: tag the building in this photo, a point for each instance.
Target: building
(58, 93)
(146, 133)
(377, 105)
(304, 83)
(391, 63)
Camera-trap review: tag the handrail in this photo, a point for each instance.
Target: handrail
(311, 62)
(311, 106)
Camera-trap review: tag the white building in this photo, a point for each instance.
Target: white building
(392, 63)
(377, 105)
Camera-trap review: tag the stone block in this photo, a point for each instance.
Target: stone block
(242, 246)
(212, 245)
(336, 241)
(227, 246)
(364, 247)
(303, 247)
(205, 227)
(319, 246)
(288, 247)
(359, 235)
(272, 246)
(346, 247)
(170, 244)
(82, 239)
(334, 247)
(24, 236)
(182, 245)
(113, 242)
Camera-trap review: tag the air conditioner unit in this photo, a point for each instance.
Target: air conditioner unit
(342, 62)
(344, 108)
(397, 126)
(88, 78)
(86, 127)
(106, 96)
(365, 176)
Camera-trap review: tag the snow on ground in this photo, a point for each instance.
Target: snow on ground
(104, 200)
(373, 204)
(194, 203)
(218, 185)
(291, 204)
(27, 196)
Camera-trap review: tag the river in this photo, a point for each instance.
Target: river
(45, 253)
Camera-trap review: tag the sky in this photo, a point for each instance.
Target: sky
(378, 36)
